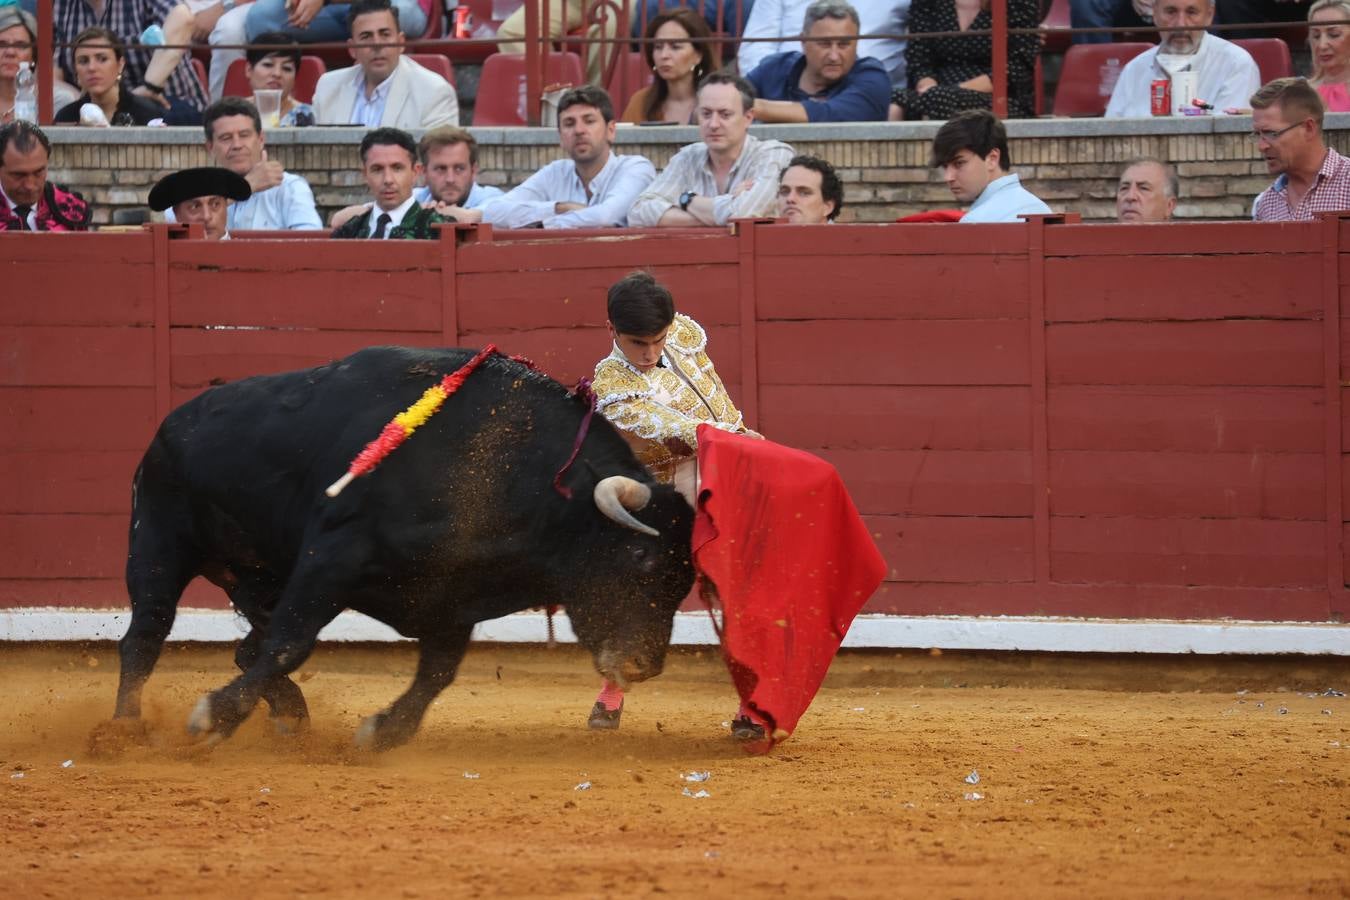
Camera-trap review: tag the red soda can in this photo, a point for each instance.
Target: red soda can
(1160, 96)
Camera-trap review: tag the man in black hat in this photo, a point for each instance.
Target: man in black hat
(200, 196)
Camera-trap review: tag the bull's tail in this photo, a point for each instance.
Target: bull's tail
(163, 558)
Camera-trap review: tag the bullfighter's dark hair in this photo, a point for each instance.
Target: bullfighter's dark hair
(229, 106)
(23, 136)
(976, 130)
(640, 305)
(365, 7)
(273, 43)
(831, 188)
(587, 95)
(388, 137)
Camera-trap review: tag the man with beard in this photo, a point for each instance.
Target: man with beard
(390, 167)
(1225, 74)
(592, 188)
(809, 192)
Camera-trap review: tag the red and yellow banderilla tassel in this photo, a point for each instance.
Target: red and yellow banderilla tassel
(405, 423)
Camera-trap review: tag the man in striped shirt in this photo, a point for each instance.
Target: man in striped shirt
(728, 175)
(183, 93)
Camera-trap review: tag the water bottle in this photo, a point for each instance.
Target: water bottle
(25, 93)
(1110, 74)
(153, 36)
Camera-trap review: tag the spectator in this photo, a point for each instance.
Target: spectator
(972, 151)
(563, 17)
(326, 21)
(678, 63)
(1147, 192)
(1329, 41)
(280, 199)
(18, 37)
(31, 202)
(949, 74)
(271, 69)
(727, 175)
(1287, 128)
(824, 81)
(164, 76)
(1108, 14)
(100, 61)
(779, 18)
(449, 157)
(809, 192)
(200, 197)
(1225, 74)
(220, 22)
(383, 89)
(726, 16)
(389, 164)
(592, 188)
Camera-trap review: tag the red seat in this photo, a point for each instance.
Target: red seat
(311, 68)
(436, 63)
(631, 74)
(1082, 89)
(1056, 38)
(501, 86)
(199, 69)
(1271, 55)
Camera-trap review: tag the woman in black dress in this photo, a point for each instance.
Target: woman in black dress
(100, 57)
(948, 75)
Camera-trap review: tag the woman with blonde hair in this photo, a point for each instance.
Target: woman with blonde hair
(1329, 43)
(678, 63)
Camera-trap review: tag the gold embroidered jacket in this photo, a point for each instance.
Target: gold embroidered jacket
(668, 401)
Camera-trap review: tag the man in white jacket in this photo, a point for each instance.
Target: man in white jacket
(384, 88)
(1225, 74)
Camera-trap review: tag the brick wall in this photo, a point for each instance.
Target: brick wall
(1071, 164)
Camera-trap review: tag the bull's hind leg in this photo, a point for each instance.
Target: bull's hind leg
(439, 659)
(161, 562)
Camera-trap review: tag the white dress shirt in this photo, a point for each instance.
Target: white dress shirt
(1226, 77)
(612, 192)
(31, 219)
(761, 162)
(395, 216)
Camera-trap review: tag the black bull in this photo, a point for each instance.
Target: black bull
(460, 524)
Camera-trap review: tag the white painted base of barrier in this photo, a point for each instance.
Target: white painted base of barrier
(944, 632)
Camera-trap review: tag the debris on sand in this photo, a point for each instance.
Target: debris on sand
(973, 777)
(697, 795)
(471, 775)
(67, 764)
(584, 786)
(696, 776)
(974, 795)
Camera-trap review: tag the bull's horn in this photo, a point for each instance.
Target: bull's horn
(616, 495)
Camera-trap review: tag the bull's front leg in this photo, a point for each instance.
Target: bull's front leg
(291, 636)
(437, 663)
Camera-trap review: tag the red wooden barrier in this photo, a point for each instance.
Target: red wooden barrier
(1056, 419)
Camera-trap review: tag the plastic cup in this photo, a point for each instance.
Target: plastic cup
(269, 107)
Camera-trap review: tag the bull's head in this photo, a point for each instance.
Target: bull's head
(627, 620)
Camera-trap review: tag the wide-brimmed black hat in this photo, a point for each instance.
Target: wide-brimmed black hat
(207, 181)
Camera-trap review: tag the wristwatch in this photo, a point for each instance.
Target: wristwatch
(686, 198)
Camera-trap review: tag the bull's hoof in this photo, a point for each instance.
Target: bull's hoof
(745, 729)
(115, 736)
(205, 722)
(604, 719)
(381, 732)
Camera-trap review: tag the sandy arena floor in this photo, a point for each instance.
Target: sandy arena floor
(1097, 777)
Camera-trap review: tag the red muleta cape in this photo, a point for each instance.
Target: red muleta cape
(792, 563)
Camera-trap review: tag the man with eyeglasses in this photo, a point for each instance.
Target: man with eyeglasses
(1287, 129)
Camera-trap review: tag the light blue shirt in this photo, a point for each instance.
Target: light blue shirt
(1003, 200)
(479, 194)
(289, 205)
(613, 191)
(369, 112)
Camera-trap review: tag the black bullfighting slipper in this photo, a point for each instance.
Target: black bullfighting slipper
(604, 719)
(744, 729)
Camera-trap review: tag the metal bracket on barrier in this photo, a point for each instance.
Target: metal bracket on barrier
(465, 232)
(1054, 218)
(735, 225)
